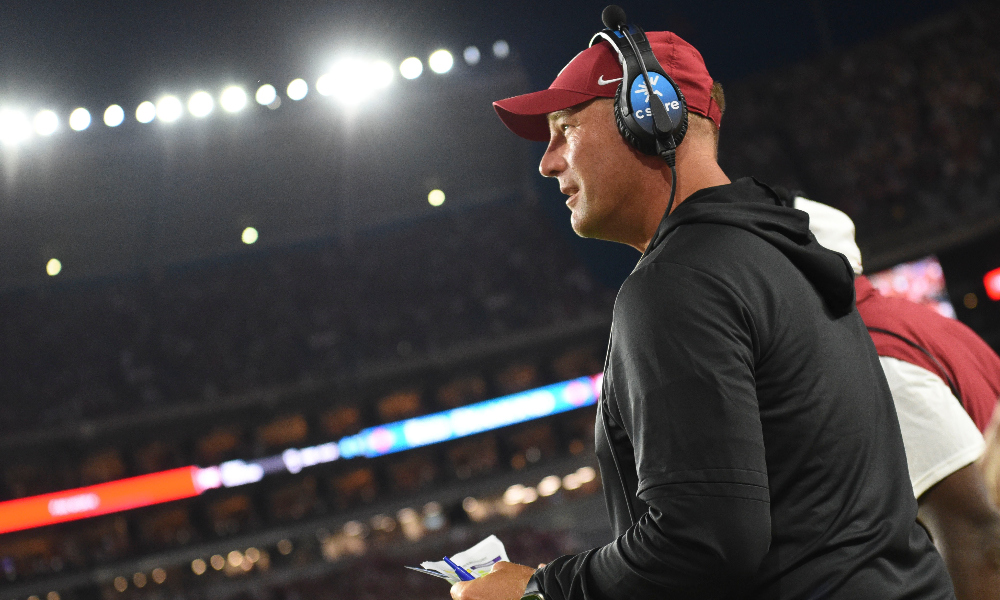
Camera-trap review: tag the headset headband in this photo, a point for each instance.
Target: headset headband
(659, 134)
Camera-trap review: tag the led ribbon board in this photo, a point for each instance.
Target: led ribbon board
(187, 482)
(114, 496)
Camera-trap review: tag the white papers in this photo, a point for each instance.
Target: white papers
(476, 561)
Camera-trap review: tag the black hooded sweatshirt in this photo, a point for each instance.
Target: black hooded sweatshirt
(746, 435)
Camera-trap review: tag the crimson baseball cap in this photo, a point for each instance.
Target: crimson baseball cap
(596, 73)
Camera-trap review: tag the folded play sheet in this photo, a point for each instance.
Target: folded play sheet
(475, 562)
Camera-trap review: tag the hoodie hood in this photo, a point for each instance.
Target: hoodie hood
(752, 206)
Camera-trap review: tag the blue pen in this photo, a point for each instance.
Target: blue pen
(462, 573)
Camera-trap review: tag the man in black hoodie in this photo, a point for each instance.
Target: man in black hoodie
(746, 435)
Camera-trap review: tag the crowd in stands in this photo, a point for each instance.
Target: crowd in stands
(320, 492)
(196, 333)
(899, 131)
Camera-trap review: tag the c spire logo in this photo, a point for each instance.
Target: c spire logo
(639, 99)
(653, 79)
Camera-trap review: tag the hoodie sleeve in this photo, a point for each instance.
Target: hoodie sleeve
(682, 386)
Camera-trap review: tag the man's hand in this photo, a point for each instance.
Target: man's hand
(506, 581)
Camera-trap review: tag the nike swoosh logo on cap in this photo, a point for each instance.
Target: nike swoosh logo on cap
(602, 81)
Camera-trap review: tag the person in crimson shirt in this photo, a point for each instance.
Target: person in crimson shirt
(945, 382)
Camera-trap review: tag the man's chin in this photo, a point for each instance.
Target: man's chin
(583, 227)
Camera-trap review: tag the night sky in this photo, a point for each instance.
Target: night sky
(87, 52)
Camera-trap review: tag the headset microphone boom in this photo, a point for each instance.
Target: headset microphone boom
(640, 97)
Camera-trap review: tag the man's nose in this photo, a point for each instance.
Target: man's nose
(552, 163)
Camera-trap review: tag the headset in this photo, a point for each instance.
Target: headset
(650, 110)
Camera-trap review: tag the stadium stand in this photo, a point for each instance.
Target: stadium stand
(901, 133)
(196, 333)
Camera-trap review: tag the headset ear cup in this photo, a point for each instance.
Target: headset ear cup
(630, 137)
(681, 129)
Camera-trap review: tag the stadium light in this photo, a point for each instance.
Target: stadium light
(501, 49)
(325, 85)
(14, 127)
(266, 94)
(250, 235)
(411, 68)
(441, 61)
(201, 104)
(169, 109)
(382, 74)
(297, 89)
(145, 112)
(351, 80)
(233, 99)
(471, 55)
(53, 267)
(46, 122)
(114, 116)
(79, 119)
(435, 198)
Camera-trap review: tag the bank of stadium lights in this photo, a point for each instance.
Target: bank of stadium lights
(347, 82)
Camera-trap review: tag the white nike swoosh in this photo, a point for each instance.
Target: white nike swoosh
(602, 81)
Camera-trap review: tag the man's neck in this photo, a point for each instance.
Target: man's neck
(692, 180)
(689, 180)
